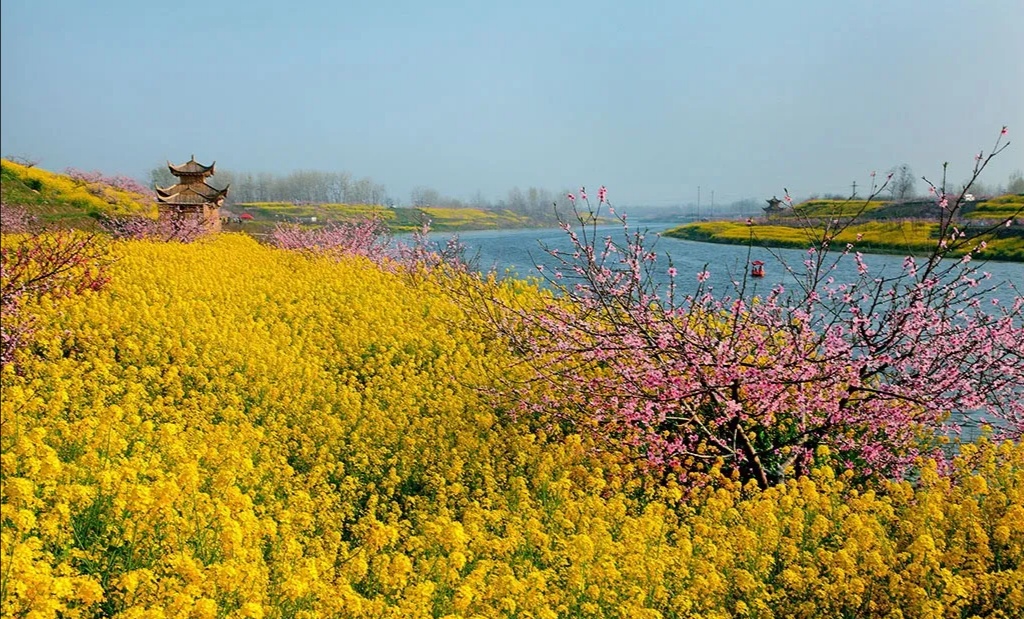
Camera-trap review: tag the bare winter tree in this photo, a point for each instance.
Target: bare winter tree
(902, 185)
(161, 176)
(425, 196)
(1016, 183)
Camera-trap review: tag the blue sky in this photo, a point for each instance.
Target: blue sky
(652, 99)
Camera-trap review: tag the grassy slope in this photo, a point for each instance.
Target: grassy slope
(53, 197)
(881, 236)
(57, 198)
(1002, 207)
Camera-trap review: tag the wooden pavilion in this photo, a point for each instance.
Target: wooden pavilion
(192, 196)
(774, 207)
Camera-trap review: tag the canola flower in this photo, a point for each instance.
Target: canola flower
(90, 191)
(230, 430)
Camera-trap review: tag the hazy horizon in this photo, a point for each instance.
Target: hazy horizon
(650, 99)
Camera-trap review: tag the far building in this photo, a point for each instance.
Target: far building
(192, 196)
(774, 206)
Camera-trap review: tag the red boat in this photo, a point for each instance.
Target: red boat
(757, 269)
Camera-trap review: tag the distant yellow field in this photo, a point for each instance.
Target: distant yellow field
(911, 237)
(836, 208)
(1002, 207)
(397, 219)
(327, 210)
(473, 218)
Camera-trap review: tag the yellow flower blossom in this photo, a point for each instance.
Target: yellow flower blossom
(231, 430)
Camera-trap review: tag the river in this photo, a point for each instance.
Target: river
(518, 253)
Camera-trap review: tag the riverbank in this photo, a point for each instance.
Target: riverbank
(262, 216)
(888, 237)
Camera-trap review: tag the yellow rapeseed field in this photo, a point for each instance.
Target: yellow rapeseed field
(93, 198)
(899, 237)
(230, 430)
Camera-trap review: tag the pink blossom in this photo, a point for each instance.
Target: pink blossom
(571, 197)
(1003, 132)
(602, 194)
(15, 219)
(863, 365)
(54, 264)
(862, 267)
(167, 229)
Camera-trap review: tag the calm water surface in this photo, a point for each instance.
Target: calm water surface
(518, 252)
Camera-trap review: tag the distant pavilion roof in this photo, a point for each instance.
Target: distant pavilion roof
(191, 194)
(191, 190)
(773, 205)
(191, 168)
(201, 189)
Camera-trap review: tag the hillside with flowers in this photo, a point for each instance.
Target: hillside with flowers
(227, 429)
(75, 197)
(91, 200)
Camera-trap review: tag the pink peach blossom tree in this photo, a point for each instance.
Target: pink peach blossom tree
(55, 263)
(879, 369)
(184, 229)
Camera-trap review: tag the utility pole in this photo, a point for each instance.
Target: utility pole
(698, 202)
(854, 189)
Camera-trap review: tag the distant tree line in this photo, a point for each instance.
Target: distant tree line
(340, 187)
(535, 203)
(314, 186)
(299, 186)
(903, 185)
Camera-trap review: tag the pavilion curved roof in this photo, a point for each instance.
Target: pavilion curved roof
(191, 167)
(190, 194)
